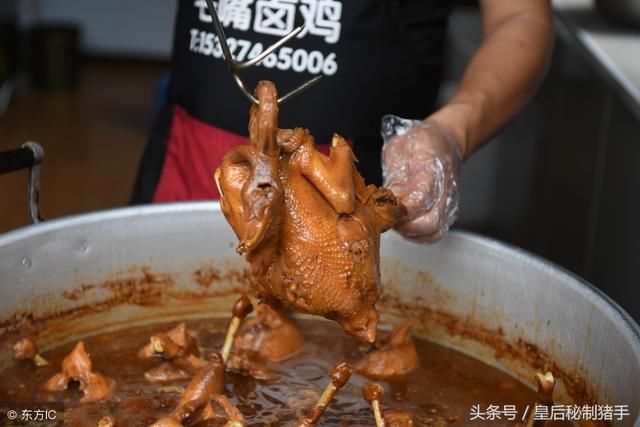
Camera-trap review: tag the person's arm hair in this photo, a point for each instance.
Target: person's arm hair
(503, 74)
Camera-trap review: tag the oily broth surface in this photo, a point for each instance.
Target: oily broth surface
(442, 389)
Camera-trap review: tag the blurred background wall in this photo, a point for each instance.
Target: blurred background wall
(562, 180)
(140, 28)
(94, 111)
(7, 8)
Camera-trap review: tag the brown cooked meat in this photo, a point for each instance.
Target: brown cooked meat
(77, 366)
(372, 393)
(174, 343)
(25, 349)
(395, 418)
(167, 372)
(250, 364)
(340, 375)
(395, 357)
(195, 402)
(107, 421)
(179, 351)
(308, 224)
(271, 334)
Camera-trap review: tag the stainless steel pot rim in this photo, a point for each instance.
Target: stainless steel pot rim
(629, 326)
(591, 292)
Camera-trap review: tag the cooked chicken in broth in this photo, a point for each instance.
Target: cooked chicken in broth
(440, 389)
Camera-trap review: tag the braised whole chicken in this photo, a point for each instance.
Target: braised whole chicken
(307, 223)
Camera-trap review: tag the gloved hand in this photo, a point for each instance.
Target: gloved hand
(420, 165)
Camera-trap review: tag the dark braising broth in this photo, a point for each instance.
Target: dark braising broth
(441, 391)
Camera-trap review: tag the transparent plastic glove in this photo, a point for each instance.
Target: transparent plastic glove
(420, 164)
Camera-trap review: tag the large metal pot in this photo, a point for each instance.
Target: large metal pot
(74, 277)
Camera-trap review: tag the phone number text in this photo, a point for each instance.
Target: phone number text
(285, 59)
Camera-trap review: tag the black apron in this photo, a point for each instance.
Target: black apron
(376, 57)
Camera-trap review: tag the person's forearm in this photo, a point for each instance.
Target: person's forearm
(502, 75)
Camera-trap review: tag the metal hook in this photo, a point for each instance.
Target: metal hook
(235, 66)
(34, 181)
(29, 156)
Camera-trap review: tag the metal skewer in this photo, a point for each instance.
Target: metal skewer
(235, 66)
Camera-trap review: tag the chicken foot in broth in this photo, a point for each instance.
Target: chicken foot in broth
(268, 337)
(271, 335)
(241, 309)
(174, 343)
(179, 352)
(307, 223)
(25, 349)
(438, 391)
(245, 361)
(340, 375)
(77, 366)
(372, 393)
(195, 403)
(395, 355)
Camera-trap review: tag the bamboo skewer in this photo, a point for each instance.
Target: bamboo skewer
(372, 393)
(241, 309)
(340, 375)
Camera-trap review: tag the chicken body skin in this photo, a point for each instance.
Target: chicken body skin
(330, 237)
(312, 235)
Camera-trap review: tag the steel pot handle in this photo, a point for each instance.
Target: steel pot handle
(29, 156)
